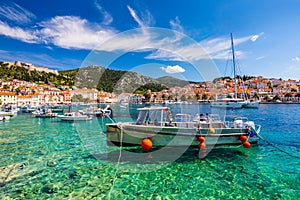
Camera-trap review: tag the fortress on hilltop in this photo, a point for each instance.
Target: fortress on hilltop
(31, 67)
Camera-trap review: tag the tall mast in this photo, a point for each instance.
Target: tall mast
(234, 67)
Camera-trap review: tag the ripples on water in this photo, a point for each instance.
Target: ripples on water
(43, 158)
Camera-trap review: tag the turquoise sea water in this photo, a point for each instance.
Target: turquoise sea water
(48, 159)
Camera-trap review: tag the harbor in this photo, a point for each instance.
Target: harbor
(47, 158)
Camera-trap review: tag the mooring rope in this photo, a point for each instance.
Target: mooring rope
(276, 147)
(119, 159)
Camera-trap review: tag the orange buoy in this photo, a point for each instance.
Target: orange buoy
(201, 139)
(146, 144)
(247, 144)
(243, 138)
(202, 145)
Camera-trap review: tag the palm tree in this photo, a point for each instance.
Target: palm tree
(267, 98)
(277, 97)
(204, 96)
(255, 96)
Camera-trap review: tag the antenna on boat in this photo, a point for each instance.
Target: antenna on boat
(234, 65)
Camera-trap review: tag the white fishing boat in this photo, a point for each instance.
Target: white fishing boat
(44, 113)
(74, 116)
(98, 112)
(157, 125)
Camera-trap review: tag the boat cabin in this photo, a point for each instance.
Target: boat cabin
(156, 116)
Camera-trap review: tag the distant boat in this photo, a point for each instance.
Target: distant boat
(4, 118)
(235, 102)
(28, 108)
(44, 113)
(98, 112)
(230, 103)
(57, 109)
(157, 125)
(251, 104)
(74, 116)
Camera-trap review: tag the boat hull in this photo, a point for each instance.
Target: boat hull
(74, 118)
(228, 105)
(253, 104)
(46, 115)
(173, 136)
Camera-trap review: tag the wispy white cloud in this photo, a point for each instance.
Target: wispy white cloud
(136, 17)
(296, 59)
(260, 57)
(143, 22)
(18, 33)
(173, 69)
(255, 37)
(217, 48)
(15, 13)
(176, 25)
(73, 32)
(107, 18)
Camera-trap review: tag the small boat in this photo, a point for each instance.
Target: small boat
(4, 118)
(29, 108)
(74, 116)
(8, 113)
(9, 110)
(157, 124)
(230, 103)
(44, 113)
(98, 112)
(57, 109)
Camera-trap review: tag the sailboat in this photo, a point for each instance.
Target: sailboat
(235, 102)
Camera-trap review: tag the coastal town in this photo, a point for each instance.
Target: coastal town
(267, 90)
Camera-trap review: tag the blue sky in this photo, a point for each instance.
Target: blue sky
(186, 39)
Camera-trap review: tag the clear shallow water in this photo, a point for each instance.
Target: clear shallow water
(47, 159)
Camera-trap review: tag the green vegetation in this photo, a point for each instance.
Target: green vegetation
(94, 77)
(244, 78)
(104, 79)
(154, 87)
(20, 73)
(170, 81)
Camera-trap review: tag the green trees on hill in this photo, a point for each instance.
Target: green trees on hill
(20, 73)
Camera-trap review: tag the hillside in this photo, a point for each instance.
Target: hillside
(90, 77)
(170, 81)
(107, 79)
(40, 77)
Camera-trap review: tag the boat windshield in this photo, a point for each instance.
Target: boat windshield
(155, 117)
(183, 117)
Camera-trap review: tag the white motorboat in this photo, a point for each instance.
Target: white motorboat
(230, 103)
(157, 124)
(74, 116)
(44, 113)
(98, 112)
